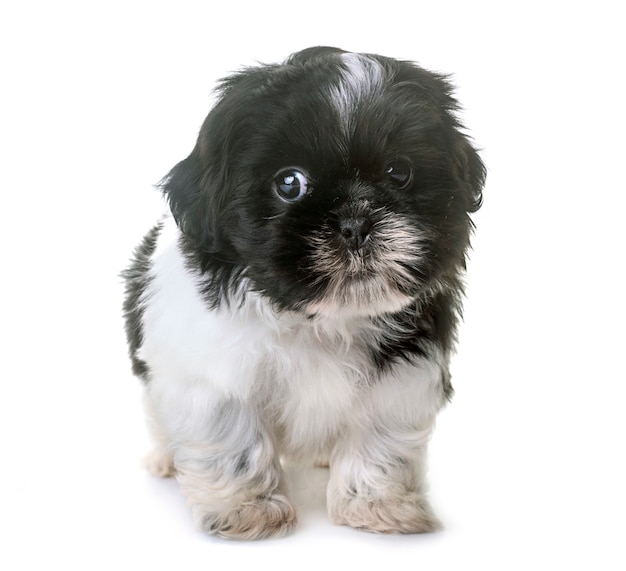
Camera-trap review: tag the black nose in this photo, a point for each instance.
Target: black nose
(355, 232)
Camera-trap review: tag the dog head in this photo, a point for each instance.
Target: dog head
(335, 182)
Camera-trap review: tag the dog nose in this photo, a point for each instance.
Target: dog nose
(355, 232)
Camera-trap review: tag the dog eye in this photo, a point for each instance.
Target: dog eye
(291, 184)
(399, 173)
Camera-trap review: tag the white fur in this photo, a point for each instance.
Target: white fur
(362, 77)
(233, 388)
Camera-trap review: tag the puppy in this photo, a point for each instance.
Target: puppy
(300, 300)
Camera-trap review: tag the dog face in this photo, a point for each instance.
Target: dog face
(333, 183)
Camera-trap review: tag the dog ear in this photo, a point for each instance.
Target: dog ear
(437, 90)
(189, 191)
(471, 170)
(466, 161)
(199, 188)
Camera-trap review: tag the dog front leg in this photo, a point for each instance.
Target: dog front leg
(377, 470)
(228, 469)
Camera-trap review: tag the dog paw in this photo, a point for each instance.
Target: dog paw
(407, 514)
(271, 516)
(160, 463)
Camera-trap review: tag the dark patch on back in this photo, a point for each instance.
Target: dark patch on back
(137, 278)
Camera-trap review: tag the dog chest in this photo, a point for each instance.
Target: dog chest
(312, 383)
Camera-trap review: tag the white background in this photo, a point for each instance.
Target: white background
(100, 100)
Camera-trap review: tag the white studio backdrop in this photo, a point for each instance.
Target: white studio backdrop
(99, 100)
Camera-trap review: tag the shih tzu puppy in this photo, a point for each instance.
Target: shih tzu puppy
(300, 300)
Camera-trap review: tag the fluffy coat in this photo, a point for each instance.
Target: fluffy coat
(301, 298)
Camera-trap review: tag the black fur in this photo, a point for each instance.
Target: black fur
(276, 116)
(137, 278)
(413, 332)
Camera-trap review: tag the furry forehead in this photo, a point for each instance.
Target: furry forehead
(337, 109)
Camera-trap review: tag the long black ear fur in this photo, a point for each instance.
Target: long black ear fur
(197, 187)
(438, 90)
(191, 206)
(471, 170)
